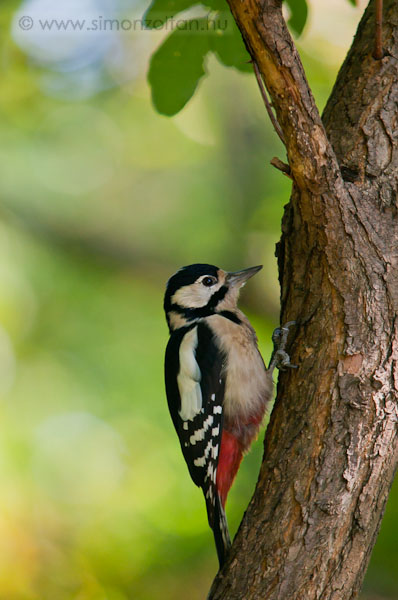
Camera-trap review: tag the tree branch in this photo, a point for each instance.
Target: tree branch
(272, 49)
(378, 51)
(267, 103)
(331, 447)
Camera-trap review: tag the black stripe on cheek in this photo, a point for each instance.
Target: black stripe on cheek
(231, 316)
(203, 311)
(187, 313)
(217, 297)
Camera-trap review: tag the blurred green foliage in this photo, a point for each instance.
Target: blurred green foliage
(177, 66)
(101, 200)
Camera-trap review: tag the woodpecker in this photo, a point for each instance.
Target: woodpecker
(217, 385)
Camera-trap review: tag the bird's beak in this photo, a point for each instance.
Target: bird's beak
(239, 278)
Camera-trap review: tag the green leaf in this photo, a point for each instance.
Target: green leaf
(227, 43)
(298, 15)
(219, 5)
(177, 66)
(160, 11)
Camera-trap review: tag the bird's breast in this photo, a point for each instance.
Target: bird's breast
(248, 386)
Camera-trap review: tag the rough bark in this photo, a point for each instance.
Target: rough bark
(331, 447)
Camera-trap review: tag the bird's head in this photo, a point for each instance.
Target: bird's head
(201, 290)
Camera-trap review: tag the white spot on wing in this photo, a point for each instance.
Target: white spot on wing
(188, 379)
(200, 462)
(208, 448)
(185, 425)
(217, 409)
(215, 431)
(208, 422)
(197, 436)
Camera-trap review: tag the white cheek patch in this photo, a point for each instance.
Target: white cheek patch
(195, 295)
(189, 377)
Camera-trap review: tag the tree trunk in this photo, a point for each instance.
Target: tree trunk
(331, 447)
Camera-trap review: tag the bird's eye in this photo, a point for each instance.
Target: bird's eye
(208, 281)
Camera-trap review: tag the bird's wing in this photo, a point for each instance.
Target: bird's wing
(194, 373)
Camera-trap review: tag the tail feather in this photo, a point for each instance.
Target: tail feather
(221, 532)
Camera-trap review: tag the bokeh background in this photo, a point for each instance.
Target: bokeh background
(102, 199)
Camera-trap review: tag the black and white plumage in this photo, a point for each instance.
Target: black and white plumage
(195, 385)
(216, 383)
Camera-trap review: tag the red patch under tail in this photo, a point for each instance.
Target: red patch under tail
(228, 464)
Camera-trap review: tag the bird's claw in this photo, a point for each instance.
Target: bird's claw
(280, 358)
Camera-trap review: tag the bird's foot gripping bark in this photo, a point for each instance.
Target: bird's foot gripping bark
(280, 358)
